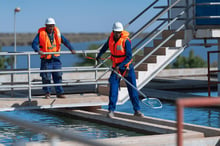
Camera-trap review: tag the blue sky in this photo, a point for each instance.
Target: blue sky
(73, 16)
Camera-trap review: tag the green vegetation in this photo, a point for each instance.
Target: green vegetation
(6, 62)
(188, 62)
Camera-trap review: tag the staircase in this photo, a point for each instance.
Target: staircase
(161, 38)
(151, 66)
(167, 45)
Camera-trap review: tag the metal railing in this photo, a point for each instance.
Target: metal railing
(190, 102)
(149, 38)
(152, 35)
(211, 72)
(166, 23)
(29, 71)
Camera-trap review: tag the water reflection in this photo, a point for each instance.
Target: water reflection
(11, 133)
(200, 116)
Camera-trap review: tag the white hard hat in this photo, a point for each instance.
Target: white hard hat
(117, 26)
(50, 21)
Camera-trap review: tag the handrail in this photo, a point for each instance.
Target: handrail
(136, 17)
(209, 72)
(155, 19)
(130, 22)
(211, 3)
(147, 25)
(77, 69)
(190, 102)
(53, 133)
(164, 41)
(149, 35)
(29, 71)
(142, 12)
(207, 4)
(150, 22)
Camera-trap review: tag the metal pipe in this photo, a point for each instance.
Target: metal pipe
(149, 35)
(209, 71)
(206, 4)
(74, 69)
(209, 74)
(29, 77)
(164, 41)
(190, 102)
(218, 74)
(142, 12)
(179, 124)
(154, 19)
(15, 11)
(60, 84)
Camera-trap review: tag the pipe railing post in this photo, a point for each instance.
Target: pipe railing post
(190, 102)
(29, 77)
(179, 123)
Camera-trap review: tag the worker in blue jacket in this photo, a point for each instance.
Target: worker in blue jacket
(121, 56)
(49, 39)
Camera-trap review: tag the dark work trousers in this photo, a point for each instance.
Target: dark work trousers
(114, 81)
(50, 64)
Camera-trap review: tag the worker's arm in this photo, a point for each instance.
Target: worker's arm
(67, 44)
(128, 54)
(35, 43)
(103, 50)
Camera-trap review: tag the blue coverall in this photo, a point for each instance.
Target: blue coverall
(114, 80)
(49, 64)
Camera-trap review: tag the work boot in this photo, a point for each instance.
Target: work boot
(110, 114)
(61, 96)
(138, 114)
(47, 96)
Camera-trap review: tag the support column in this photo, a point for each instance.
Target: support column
(218, 85)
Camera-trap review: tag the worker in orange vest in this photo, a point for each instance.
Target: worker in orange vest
(121, 56)
(49, 39)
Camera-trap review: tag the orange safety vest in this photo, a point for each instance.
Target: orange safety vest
(118, 52)
(45, 44)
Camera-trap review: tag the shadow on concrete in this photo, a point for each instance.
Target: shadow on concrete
(27, 104)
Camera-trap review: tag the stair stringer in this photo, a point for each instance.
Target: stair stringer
(153, 70)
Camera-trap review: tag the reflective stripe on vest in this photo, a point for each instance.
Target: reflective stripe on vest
(45, 44)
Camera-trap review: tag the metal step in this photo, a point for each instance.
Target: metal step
(179, 35)
(169, 43)
(151, 59)
(160, 51)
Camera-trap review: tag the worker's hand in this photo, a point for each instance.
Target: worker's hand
(40, 53)
(98, 59)
(117, 68)
(73, 51)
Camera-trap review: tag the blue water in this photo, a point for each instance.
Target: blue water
(10, 133)
(213, 94)
(200, 116)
